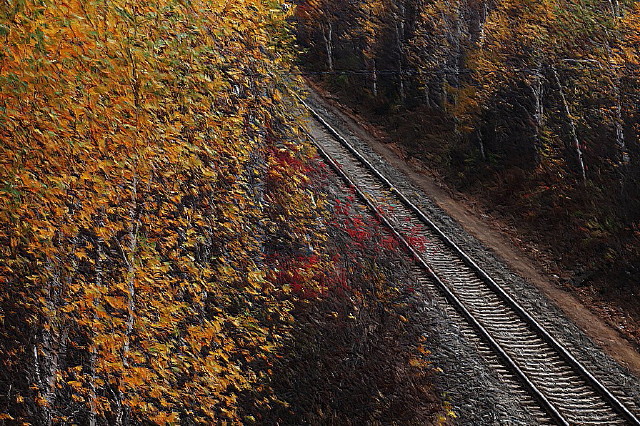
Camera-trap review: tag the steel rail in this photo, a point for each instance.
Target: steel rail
(449, 295)
(616, 404)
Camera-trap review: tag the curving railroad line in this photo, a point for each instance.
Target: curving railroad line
(538, 368)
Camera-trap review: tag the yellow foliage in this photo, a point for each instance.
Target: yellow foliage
(139, 173)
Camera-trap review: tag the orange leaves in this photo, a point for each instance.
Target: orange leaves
(76, 385)
(165, 418)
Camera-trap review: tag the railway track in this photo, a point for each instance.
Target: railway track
(554, 386)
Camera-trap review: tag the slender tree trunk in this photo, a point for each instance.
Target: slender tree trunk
(615, 8)
(537, 90)
(619, 125)
(399, 19)
(51, 350)
(443, 89)
(134, 225)
(618, 120)
(255, 172)
(483, 152)
(427, 93)
(457, 45)
(45, 411)
(483, 20)
(572, 125)
(327, 35)
(93, 349)
(375, 79)
(621, 144)
(93, 346)
(401, 88)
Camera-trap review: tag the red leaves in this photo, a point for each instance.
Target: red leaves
(302, 274)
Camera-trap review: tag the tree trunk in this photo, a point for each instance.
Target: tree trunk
(400, 29)
(51, 350)
(619, 125)
(483, 151)
(459, 16)
(483, 20)
(327, 35)
(134, 225)
(618, 120)
(427, 94)
(93, 347)
(572, 125)
(375, 79)
(615, 8)
(537, 90)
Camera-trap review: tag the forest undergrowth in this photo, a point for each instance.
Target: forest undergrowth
(357, 353)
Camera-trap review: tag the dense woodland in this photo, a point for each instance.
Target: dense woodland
(149, 178)
(164, 254)
(533, 105)
(167, 254)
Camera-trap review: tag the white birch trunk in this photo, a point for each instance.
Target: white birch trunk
(93, 355)
(483, 152)
(537, 90)
(400, 30)
(375, 79)
(130, 260)
(327, 35)
(619, 125)
(572, 126)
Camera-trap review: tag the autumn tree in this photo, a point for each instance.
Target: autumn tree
(148, 170)
(550, 56)
(322, 25)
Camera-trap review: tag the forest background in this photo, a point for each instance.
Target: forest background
(530, 107)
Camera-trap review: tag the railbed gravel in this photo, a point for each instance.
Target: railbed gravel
(475, 390)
